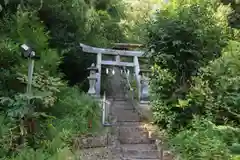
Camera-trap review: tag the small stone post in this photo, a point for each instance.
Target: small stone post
(92, 80)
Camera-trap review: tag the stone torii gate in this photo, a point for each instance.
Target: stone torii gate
(117, 62)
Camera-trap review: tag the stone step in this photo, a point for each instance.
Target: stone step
(120, 101)
(94, 141)
(125, 115)
(133, 135)
(102, 153)
(130, 124)
(119, 98)
(123, 107)
(138, 147)
(140, 151)
(167, 155)
(140, 159)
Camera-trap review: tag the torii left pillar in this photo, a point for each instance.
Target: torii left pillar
(98, 83)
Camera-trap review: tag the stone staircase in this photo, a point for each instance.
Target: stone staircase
(134, 142)
(128, 139)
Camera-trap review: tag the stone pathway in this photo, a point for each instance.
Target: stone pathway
(134, 142)
(129, 139)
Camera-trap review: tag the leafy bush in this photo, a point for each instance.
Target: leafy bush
(27, 122)
(180, 45)
(186, 35)
(74, 110)
(213, 95)
(216, 91)
(162, 85)
(205, 140)
(195, 73)
(54, 149)
(201, 142)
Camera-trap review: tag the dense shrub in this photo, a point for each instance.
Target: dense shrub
(213, 95)
(216, 90)
(195, 71)
(186, 35)
(165, 82)
(30, 126)
(234, 18)
(74, 110)
(54, 149)
(182, 38)
(204, 141)
(67, 23)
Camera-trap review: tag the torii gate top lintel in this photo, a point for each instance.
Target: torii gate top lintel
(116, 52)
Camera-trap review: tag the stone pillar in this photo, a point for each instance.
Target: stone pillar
(137, 70)
(144, 96)
(118, 59)
(98, 83)
(92, 80)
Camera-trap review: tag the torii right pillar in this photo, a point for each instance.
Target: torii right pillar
(144, 95)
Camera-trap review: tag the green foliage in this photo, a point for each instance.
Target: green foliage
(50, 151)
(138, 13)
(187, 35)
(72, 22)
(234, 18)
(161, 87)
(65, 24)
(6, 135)
(206, 140)
(195, 79)
(74, 110)
(216, 91)
(201, 142)
(180, 44)
(9, 58)
(214, 94)
(31, 125)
